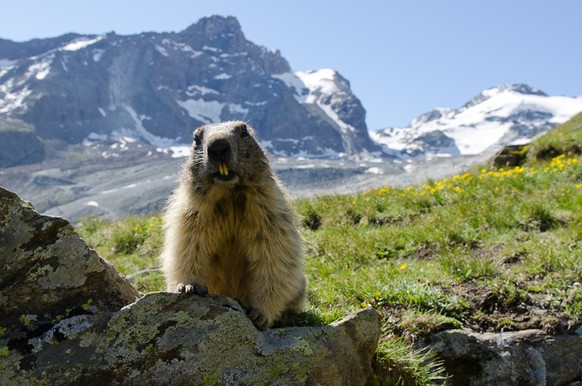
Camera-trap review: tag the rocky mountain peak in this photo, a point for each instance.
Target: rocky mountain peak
(158, 87)
(224, 31)
(518, 88)
(429, 116)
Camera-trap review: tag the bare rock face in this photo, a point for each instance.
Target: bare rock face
(49, 273)
(68, 317)
(20, 148)
(529, 357)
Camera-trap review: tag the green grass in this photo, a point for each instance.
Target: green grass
(491, 250)
(11, 124)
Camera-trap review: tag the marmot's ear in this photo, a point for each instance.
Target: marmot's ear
(198, 133)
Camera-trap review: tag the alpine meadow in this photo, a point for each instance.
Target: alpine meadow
(494, 249)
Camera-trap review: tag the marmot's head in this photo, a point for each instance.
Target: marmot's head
(226, 154)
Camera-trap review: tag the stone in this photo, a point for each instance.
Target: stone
(48, 272)
(510, 156)
(20, 148)
(528, 357)
(68, 317)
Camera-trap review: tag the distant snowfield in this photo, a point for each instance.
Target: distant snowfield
(476, 127)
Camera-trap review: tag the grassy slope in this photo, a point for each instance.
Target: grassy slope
(492, 250)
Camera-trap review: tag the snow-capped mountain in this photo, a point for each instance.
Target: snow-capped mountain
(156, 88)
(328, 92)
(497, 116)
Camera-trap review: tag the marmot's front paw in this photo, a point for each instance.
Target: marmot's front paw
(258, 319)
(196, 288)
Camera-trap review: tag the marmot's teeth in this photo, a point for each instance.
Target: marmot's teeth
(223, 169)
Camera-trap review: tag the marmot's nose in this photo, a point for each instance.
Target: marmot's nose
(219, 150)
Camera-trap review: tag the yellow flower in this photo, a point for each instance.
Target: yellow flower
(579, 186)
(377, 294)
(382, 191)
(403, 266)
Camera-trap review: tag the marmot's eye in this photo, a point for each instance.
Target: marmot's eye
(244, 132)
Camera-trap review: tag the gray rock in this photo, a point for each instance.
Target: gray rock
(19, 145)
(67, 317)
(510, 156)
(529, 357)
(49, 273)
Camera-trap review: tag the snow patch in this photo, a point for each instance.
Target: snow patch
(81, 43)
(318, 82)
(234, 108)
(211, 49)
(181, 47)
(195, 90)
(180, 151)
(98, 54)
(295, 83)
(162, 50)
(41, 69)
(130, 186)
(374, 170)
(13, 98)
(201, 110)
(142, 132)
(124, 135)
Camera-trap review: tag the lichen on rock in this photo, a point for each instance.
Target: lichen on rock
(68, 316)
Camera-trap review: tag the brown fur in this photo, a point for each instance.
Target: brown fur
(234, 235)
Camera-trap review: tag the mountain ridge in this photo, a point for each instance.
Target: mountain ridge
(151, 90)
(495, 117)
(158, 87)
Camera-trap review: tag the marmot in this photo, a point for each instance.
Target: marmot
(229, 227)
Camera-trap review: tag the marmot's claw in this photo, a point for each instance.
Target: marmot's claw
(258, 319)
(197, 289)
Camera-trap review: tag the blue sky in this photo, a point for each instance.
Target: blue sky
(402, 58)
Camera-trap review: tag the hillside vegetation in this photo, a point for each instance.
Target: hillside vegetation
(494, 249)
